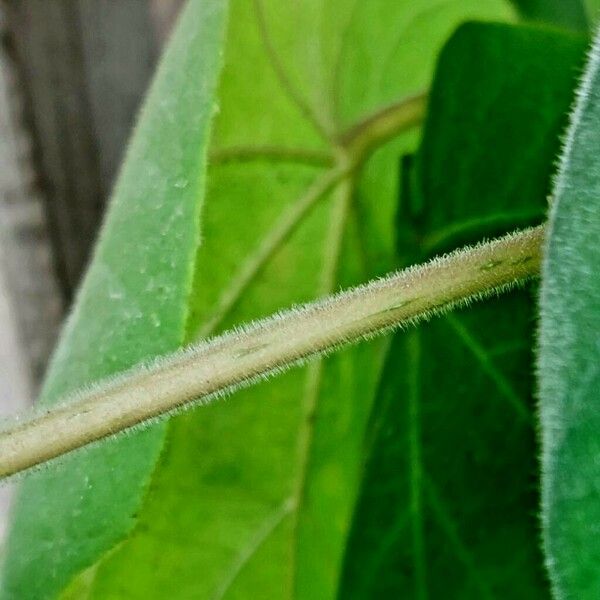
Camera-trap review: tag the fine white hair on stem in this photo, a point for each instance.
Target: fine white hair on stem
(218, 366)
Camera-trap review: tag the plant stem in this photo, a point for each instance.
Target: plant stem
(307, 156)
(365, 136)
(243, 356)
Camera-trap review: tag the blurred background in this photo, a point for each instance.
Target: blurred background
(72, 75)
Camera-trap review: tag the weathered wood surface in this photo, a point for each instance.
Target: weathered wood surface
(84, 66)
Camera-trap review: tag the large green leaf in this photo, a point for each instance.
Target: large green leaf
(253, 497)
(132, 305)
(566, 13)
(569, 357)
(448, 501)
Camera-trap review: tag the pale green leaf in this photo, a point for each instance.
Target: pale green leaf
(132, 305)
(593, 11)
(569, 356)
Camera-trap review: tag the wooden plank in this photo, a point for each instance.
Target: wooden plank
(30, 306)
(84, 66)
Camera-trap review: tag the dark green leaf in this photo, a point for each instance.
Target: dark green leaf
(449, 495)
(132, 305)
(566, 13)
(569, 356)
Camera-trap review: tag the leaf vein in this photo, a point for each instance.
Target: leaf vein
(330, 264)
(285, 81)
(266, 529)
(447, 523)
(488, 366)
(282, 230)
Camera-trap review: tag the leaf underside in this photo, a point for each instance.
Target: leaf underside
(449, 495)
(569, 356)
(131, 306)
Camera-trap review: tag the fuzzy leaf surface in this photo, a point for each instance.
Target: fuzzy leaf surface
(569, 356)
(132, 305)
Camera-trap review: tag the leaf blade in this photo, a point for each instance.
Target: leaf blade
(447, 496)
(568, 356)
(132, 305)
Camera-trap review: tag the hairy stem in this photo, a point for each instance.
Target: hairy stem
(244, 356)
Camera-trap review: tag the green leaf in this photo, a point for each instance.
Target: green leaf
(253, 497)
(572, 14)
(593, 11)
(132, 305)
(569, 356)
(448, 500)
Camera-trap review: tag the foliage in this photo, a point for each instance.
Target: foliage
(285, 471)
(403, 467)
(569, 364)
(132, 305)
(448, 490)
(573, 14)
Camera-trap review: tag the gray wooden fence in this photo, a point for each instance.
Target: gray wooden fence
(72, 75)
